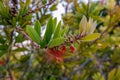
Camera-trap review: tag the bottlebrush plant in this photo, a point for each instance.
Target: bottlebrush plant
(55, 39)
(84, 45)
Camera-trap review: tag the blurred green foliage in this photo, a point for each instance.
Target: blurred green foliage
(24, 48)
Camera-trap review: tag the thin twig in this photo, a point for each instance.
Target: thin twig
(9, 54)
(20, 30)
(99, 64)
(26, 69)
(37, 9)
(37, 3)
(80, 68)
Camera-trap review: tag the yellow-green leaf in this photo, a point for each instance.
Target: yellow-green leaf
(90, 37)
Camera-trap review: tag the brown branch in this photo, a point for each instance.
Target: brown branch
(9, 54)
(20, 30)
(37, 9)
(36, 4)
(102, 34)
(80, 68)
(66, 7)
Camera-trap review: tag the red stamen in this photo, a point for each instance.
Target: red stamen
(72, 49)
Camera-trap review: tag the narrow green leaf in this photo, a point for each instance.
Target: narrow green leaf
(33, 34)
(37, 27)
(93, 27)
(54, 7)
(28, 2)
(90, 37)
(19, 38)
(49, 31)
(56, 42)
(20, 49)
(57, 30)
(23, 10)
(111, 75)
(52, 78)
(54, 22)
(43, 43)
(4, 10)
(64, 31)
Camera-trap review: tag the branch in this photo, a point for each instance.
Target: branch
(9, 54)
(80, 68)
(26, 36)
(98, 63)
(101, 35)
(37, 9)
(37, 3)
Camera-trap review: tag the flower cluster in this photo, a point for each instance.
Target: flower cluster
(58, 53)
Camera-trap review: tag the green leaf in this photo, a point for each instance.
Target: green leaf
(28, 2)
(33, 34)
(19, 38)
(52, 78)
(23, 10)
(37, 27)
(90, 37)
(57, 30)
(98, 76)
(20, 49)
(64, 31)
(43, 43)
(48, 33)
(54, 7)
(24, 58)
(4, 11)
(92, 29)
(54, 22)
(111, 75)
(56, 42)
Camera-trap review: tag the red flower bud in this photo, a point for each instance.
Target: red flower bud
(72, 49)
(51, 50)
(58, 52)
(63, 48)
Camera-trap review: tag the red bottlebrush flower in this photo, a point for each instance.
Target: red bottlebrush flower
(59, 59)
(51, 50)
(58, 52)
(63, 48)
(54, 54)
(72, 49)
